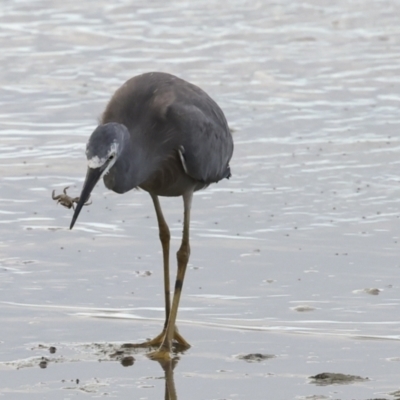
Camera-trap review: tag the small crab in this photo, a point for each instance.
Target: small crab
(66, 200)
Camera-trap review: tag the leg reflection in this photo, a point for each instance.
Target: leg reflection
(168, 367)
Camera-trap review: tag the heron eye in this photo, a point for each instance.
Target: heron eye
(111, 157)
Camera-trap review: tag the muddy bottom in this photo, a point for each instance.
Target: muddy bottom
(329, 378)
(212, 367)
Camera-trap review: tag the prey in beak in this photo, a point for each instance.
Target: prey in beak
(101, 153)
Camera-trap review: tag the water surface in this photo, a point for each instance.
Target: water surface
(296, 256)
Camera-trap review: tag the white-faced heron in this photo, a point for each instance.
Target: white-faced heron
(168, 137)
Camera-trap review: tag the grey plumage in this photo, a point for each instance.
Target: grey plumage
(168, 137)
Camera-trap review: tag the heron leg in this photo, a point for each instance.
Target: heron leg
(183, 253)
(165, 237)
(165, 241)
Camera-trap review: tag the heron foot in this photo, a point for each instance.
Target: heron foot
(160, 355)
(178, 342)
(163, 353)
(66, 200)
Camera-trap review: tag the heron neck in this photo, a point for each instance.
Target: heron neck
(131, 167)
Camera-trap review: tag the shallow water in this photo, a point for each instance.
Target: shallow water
(296, 256)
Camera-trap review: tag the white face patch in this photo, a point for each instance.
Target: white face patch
(97, 162)
(109, 166)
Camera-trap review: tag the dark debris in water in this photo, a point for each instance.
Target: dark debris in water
(43, 363)
(101, 352)
(396, 394)
(380, 398)
(123, 358)
(329, 378)
(127, 361)
(255, 357)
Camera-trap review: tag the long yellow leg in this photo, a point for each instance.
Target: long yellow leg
(165, 237)
(183, 257)
(165, 241)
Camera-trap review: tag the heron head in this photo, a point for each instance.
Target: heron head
(104, 146)
(102, 151)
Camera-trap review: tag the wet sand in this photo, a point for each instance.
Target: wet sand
(294, 270)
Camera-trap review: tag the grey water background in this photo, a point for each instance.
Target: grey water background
(296, 256)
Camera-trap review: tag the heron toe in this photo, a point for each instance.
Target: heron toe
(180, 344)
(160, 355)
(178, 341)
